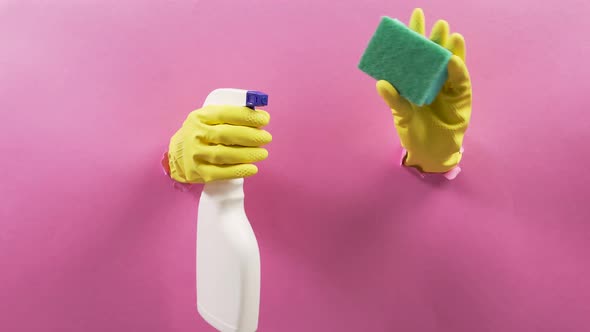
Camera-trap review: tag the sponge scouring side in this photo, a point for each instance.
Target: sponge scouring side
(413, 64)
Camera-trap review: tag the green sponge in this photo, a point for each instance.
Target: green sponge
(414, 65)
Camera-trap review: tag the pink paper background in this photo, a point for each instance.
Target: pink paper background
(94, 238)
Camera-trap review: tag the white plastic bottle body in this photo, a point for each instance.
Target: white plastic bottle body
(228, 258)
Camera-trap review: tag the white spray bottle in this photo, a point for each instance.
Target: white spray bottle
(228, 258)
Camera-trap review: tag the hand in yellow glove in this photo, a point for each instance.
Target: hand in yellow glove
(433, 134)
(218, 142)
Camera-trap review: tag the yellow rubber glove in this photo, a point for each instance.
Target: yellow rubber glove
(433, 134)
(218, 142)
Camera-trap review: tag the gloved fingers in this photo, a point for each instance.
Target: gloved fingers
(440, 32)
(211, 172)
(417, 21)
(233, 115)
(398, 104)
(234, 135)
(456, 45)
(458, 76)
(229, 155)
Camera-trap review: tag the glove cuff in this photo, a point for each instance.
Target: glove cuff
(449, 175)
(166, 168)
(172, 162)
(176, 157)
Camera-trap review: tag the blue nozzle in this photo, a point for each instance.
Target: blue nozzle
(256, 98)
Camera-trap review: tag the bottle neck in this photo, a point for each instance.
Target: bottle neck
(225, 189)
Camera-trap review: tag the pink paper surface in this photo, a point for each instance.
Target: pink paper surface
(93, 237)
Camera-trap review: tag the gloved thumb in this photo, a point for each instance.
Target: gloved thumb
(458, 75)
(398, 104)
